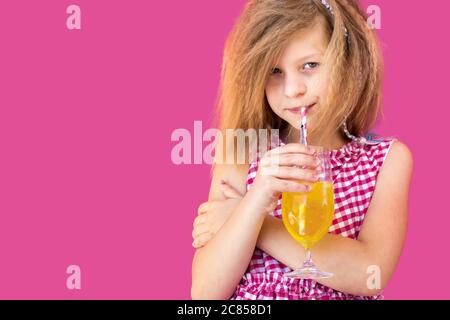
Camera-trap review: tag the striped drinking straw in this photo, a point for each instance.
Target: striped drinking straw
(303, 129)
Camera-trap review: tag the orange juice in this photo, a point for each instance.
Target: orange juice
(308, 215)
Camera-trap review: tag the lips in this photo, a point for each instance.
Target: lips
(298, 110)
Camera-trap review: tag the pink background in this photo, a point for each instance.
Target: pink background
(86, 118)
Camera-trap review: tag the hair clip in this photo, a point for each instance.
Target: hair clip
(327, 6)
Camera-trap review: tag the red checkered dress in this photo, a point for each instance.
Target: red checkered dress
(355, 169)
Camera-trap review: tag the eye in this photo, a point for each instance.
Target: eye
(310, 65)
(275, 71)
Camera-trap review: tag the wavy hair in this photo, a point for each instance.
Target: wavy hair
(255, 43)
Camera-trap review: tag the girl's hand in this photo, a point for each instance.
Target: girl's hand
(212, 215)
(289, 168)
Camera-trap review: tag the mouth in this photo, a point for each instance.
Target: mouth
(298, 110)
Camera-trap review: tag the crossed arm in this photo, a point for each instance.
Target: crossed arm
(379, 243)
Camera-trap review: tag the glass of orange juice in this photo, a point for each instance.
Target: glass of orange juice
(307, 216)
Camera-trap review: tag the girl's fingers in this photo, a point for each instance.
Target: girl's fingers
(203, 208)
(295, 173)
(196, 244)
(298, 159)
(292, 148)
(199, 220)
(203, 239)
(199, 230)
(291, 186)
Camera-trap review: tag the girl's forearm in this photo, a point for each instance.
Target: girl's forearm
(346, 258)
(218, 267)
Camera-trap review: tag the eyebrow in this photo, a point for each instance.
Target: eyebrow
(307, 57)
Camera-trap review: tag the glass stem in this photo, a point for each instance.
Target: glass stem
(308, 259)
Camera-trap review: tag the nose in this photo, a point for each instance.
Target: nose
(294, 86)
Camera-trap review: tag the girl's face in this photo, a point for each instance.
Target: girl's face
(297, 81)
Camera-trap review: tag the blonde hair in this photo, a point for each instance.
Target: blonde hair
(255, 43)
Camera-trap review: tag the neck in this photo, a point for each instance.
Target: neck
(334, 142)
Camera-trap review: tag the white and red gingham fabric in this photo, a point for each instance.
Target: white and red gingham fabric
(354, 169)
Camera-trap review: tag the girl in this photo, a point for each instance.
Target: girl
(282, 55)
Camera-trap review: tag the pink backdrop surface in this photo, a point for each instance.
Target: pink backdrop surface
(86, 118)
